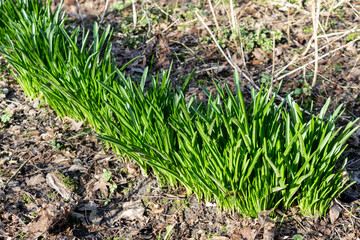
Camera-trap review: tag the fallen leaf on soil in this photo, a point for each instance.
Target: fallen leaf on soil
(354, 73)
(132, 169)
(334, 213)
(259, 54)
(350, 236)
(46, 217)
(243, 234)
(76, 126)
(102, 185)
(77, 167)
(164, 51)
(34, 133)
(156, 208)
(35, 180)
(101, 156)
(60, 159)
(352, 48)
(237, 59)
(133, 214)
(36, 103)
(2, 193)
(256, 62)
(95, 218)
(133, 211)
(32, 113)
(54, 182)
(49, 135)
(268, 224)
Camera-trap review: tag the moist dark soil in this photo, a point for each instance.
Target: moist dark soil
(58, 181)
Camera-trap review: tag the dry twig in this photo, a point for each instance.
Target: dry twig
(105, 10)
(315, 16)
(214, 16)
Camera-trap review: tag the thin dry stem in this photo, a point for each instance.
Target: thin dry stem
(105, 10)
(134, 13)
(214, 16)
(289, 64)
(216, 42)
(232, 15)
(339, 4)
(79, 9)
(357, 13)
(321, 57)
(323, 30)
(341, 36)
(315, 16)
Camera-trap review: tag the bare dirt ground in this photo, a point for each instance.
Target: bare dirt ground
(45, 160)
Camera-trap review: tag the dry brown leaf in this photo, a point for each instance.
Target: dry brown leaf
(268, 224)
(77, 167)
(32, 113)
(156, 208)
(47, 216)
(36, 103)
(164, 51)
(102, 185)
(133, 211)
(334, 214)
(243, 234)
(259, 54)
(76, 126)
(95, 218)
(355, 73)
(132, 169)
(35, 180)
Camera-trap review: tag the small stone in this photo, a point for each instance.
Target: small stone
(5, 91)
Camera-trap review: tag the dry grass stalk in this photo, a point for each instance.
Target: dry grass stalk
(105, 10)
(232, 15)
(321, 57)
(315, 17)
(214, 16)
(216, 42)
(134, 13)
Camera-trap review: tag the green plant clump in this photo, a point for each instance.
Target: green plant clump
(6, 116)
(246, 157)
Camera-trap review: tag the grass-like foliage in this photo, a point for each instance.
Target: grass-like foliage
(246, 157)
(24, 26)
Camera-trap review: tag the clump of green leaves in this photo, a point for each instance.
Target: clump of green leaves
(251, 39)
(6, 116)
(249, 158)
(352, 37)
(259, 38)
(308, 30)
(107, 176)
(246, 157)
